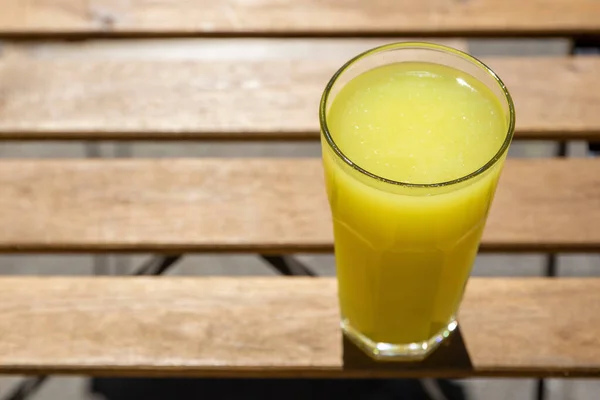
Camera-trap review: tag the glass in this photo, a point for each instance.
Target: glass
(404, 250)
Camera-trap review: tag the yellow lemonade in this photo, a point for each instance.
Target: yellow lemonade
(404, 249)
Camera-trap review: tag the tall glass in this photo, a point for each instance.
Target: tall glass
(404, 251)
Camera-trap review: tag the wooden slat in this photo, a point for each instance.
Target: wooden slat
(281, 327)
(217, 73)
(303, 17)
(257, 205)
(270, 90)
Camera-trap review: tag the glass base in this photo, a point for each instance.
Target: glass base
(398, 352)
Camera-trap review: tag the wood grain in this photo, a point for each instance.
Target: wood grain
(304, 17)
(279, 327)
(241, 90)
(257, 205)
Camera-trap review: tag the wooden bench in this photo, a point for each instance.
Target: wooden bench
(259, 77)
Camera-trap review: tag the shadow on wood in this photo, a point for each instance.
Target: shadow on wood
(451, 359)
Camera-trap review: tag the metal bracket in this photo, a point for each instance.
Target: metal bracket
(287, 265)
(26, 388)
(158, 265)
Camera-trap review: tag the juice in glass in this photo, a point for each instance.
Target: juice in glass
(414, 138)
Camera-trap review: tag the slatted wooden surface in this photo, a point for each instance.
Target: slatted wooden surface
(242, 89)
(299, 17)
(235, 327)
(257, 205)
(246, 90)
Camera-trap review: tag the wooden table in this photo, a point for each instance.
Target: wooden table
(246, 71)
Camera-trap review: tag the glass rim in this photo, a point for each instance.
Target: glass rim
(425, 46)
